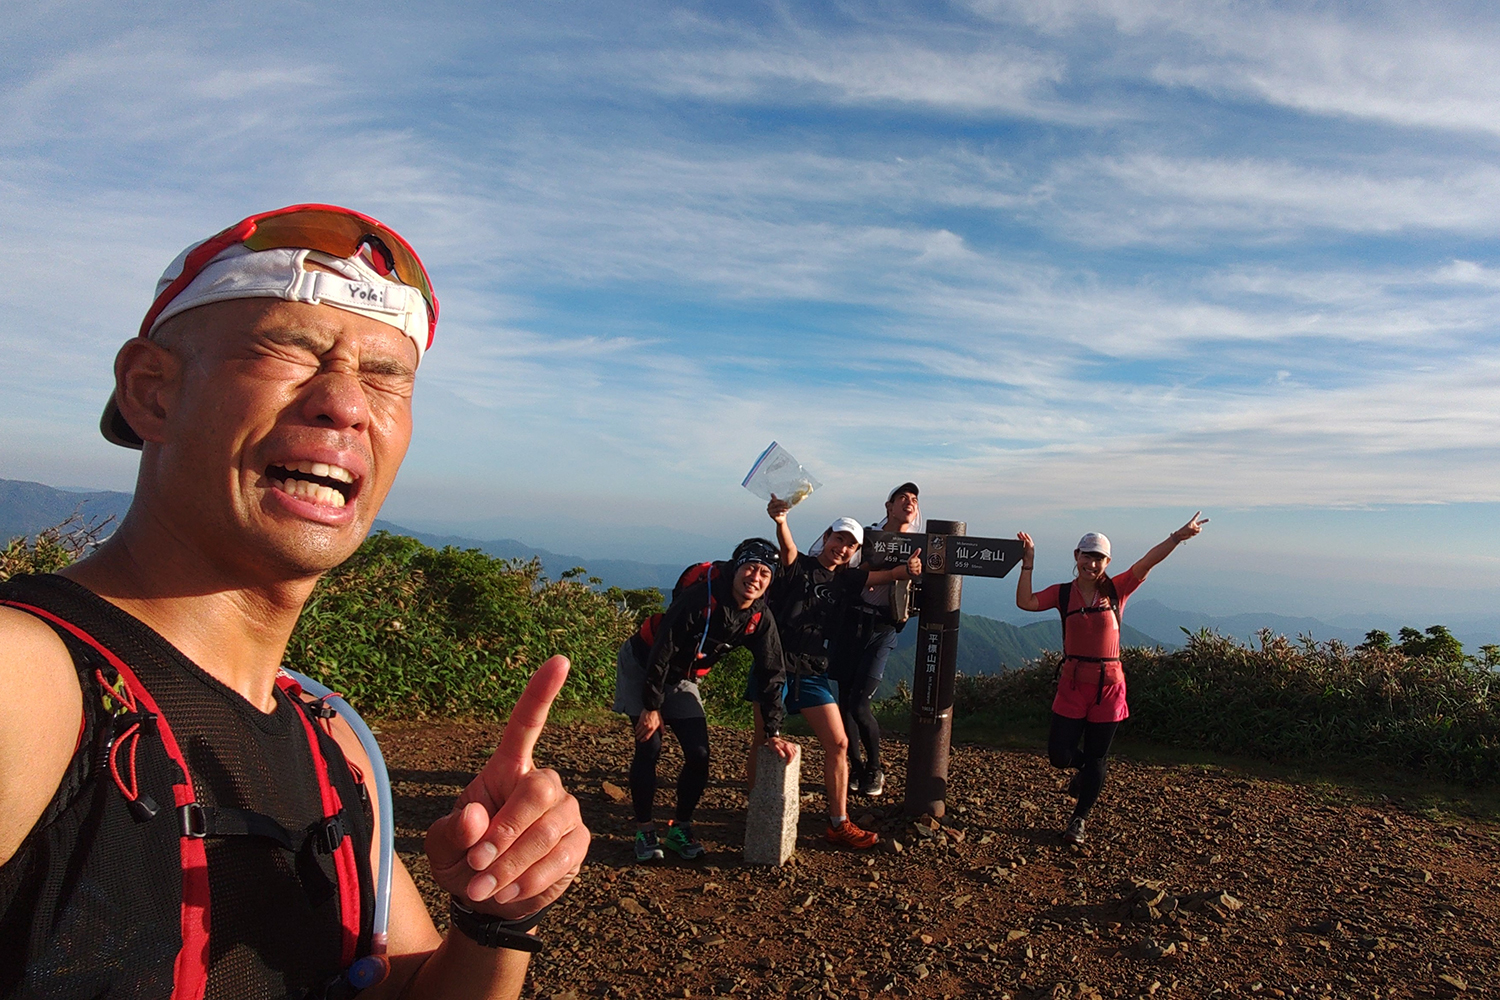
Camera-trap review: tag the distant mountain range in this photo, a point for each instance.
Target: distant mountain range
(986, 644)
(624, 573)
(26, 508)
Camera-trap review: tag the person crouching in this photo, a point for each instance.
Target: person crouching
(656, 682)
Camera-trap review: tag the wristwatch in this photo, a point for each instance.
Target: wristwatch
(497, 932)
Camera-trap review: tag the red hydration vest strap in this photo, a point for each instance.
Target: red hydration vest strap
(344, 861)
(190, 971)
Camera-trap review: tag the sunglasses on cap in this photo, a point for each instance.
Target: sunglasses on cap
(338, 232)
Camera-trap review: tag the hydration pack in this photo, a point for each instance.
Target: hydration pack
(132, 720)
(1111, 604)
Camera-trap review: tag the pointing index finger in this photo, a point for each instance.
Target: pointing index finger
(527, 720)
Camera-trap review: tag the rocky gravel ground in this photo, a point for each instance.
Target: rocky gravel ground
(1194, 882)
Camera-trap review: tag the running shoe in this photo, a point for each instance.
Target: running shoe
(1074, 833)
(850, 836)
(647, 847)
(875, 783)
(680, 839)
(856, 779)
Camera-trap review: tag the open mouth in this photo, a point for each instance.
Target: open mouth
(314, 482)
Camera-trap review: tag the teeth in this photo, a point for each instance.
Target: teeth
(319, 469)
(301, 488)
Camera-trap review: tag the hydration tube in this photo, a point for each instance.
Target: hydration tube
(374, 967)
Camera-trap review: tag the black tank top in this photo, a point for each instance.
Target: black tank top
(92, 903)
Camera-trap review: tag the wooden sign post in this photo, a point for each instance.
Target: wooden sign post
(948, 555)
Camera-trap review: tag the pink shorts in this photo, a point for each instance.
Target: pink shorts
(1079, 697)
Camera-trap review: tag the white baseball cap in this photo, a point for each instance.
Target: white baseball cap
(850, 525)
(359, 265)
(1094, 542)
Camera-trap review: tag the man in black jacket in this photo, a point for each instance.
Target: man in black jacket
(657, 675)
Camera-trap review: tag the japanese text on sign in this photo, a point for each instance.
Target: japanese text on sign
(929, 654)
(982, 556)
(887, 548)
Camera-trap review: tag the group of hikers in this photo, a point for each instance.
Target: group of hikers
(820, 626)
(180, 816)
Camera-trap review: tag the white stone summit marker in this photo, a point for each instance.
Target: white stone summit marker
(775, 803)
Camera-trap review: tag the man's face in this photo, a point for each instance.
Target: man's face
(751, 581)
(901, 508)
(285, 428)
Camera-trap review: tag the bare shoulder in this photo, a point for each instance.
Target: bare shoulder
(38, 732)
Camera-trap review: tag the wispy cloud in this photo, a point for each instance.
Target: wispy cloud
(1243, 253)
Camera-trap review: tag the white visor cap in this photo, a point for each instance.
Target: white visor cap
(348, 283)
(1094, 542)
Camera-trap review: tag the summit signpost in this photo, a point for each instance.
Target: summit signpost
(948, 555)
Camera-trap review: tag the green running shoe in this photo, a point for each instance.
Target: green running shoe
(647, 847)
(680, 839)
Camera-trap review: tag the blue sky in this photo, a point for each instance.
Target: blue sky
(1069, 265)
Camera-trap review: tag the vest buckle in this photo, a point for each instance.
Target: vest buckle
(192, 820)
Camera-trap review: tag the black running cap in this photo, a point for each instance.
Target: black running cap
(755, 550)
(903, 488)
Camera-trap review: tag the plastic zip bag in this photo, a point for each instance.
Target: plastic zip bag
(777, 473)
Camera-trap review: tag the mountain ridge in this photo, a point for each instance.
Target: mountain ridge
(28, 507)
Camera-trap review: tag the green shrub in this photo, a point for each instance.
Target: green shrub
(52, 548)
(1435, 714)
(406, 630)
(724, 690)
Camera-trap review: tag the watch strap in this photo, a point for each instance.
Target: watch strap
(497, 932)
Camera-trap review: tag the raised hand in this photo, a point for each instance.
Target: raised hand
(515, 839)
(1028, 547)
(777, 509)
(914, 564)
(1191, 529)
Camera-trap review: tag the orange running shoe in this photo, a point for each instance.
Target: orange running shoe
(850, 836)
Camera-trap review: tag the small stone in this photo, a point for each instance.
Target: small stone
(1016, 935)
(1456, 981)
(615, 792)
(631, 906)
(921, 971)
(1028, 806)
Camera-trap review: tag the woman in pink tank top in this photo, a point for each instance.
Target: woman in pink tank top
(1090, 701)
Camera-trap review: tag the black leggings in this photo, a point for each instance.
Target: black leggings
(692, 736)
(1062, 747)
(857, 686)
